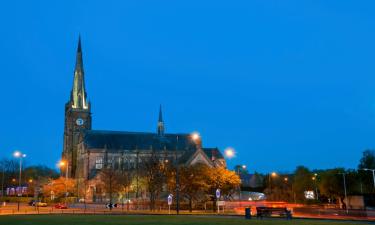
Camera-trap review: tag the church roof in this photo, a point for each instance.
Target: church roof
(116, 140)
(213, 152)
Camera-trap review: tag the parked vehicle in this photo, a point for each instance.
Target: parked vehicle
(31, 203)
(61, 206)
(40, 204)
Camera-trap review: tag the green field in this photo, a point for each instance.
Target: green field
(154, 220)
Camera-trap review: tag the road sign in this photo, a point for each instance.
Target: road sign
(170, 199)
(217, 193)
(220, 203)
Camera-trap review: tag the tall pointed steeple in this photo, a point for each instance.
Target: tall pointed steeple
(160, 123)
(79, 61)
(78, 96)
(77, 116)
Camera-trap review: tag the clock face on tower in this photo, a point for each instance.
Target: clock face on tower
(80, 122)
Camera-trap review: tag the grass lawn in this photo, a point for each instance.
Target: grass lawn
(153, 220)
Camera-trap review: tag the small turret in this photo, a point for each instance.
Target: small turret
(160, 123)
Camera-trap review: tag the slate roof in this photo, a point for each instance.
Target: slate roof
(122, 140)
(213, 152)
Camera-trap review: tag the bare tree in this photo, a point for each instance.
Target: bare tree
(154, 175)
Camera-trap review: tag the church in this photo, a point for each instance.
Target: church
(88, 151)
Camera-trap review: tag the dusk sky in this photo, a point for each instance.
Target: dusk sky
(285, 83)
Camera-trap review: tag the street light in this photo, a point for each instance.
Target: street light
(19, 155)
(229, 153)
(373, 174)
(239, 167)
(273, 174)
(177, 180)
(316, 187)
(239, 187)
(66, 164)
(195, 136)
(346, 198)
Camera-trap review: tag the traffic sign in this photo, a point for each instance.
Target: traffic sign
(217, 193)
(170, 197)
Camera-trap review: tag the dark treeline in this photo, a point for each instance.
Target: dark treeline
(30, 175)
(326, 185)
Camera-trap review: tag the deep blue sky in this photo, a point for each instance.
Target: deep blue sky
(283, 82)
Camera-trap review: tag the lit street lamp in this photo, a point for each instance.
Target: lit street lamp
(239, 187)
(239, 167)
(229, 153)
(195, 136)
(273, 174)
(19, 155)
(316, 187)
(66, 164)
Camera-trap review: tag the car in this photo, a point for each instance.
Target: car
(40, 204)
(61, 206)
(31, 203)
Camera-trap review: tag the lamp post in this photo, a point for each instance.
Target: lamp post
(346, 207)
(239, 167)
(196, 138)
(316, 187)
(66, 164)
(177, 181)
(239, 186)
(273, 174)
(19, 155)
(373, 174)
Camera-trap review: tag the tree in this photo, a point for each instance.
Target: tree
(225, 180)
(279, 188)
(56, 188)
(111, 182)
(240, 169)
(331, 183)
(33, 172)
(154, 170)
(368, 160)
(302, 181)
(365, 177)
(9, 173)
(192, 182)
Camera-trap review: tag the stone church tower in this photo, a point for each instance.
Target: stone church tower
(77, 115)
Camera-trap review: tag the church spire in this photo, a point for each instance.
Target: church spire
(78, 96)
(160, 123)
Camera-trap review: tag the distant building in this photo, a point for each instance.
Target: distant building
(88, 151)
